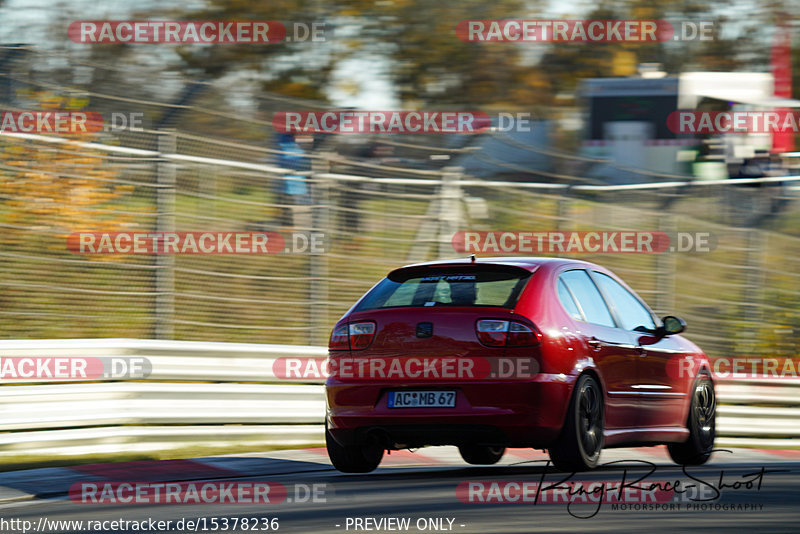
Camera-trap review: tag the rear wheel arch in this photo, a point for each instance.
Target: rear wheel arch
(586, 370)
(596, 375)
(579, 369)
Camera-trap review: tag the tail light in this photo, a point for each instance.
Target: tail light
(498, 333)
(520, 335)
(492, 333)
(339, 338)
(355, 336)
(361, 335)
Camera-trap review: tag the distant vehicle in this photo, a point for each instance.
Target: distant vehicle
(627, 123)
(605, 371)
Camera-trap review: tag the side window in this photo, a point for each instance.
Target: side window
(568, 302)
(630, 311)
(589, 298)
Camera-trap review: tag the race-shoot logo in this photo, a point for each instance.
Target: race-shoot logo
(636, 491)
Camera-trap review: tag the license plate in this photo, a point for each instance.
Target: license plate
(422, 399)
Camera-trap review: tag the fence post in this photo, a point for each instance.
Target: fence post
(318, 263)
(165, 222)
(666, 267)
(564, 218)
(752, 290)
(450, 210)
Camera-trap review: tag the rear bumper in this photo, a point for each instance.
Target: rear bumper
(526, 413)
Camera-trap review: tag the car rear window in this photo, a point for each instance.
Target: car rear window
(451, 287)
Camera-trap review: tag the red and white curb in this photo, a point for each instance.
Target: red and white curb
(56, 481)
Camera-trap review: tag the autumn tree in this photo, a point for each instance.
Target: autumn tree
(54, 189)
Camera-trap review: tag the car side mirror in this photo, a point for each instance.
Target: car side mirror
(671, 325)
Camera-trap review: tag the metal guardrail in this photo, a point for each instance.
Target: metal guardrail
(175, 361)
(226, 394)
(198, 394)
(759, 412)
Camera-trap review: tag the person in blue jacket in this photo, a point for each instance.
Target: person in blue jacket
(293, 187)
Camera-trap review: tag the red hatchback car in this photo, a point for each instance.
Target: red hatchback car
(491, 353)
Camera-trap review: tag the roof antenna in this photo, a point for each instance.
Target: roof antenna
(472, 258)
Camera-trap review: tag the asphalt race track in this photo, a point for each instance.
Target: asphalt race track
(759, 491)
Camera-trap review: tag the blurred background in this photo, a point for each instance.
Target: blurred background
(206, 158)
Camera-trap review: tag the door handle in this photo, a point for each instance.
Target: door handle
(597, 344)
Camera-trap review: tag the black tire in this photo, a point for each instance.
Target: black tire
(359, 458)
(701, 424)
(480, 454)
(581, 440)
